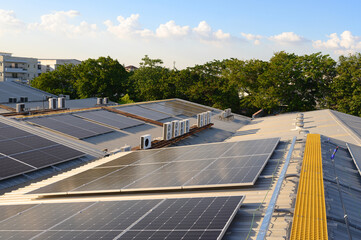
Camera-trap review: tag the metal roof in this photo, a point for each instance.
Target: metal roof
(248, 220)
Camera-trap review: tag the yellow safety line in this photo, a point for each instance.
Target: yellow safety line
(309, 219)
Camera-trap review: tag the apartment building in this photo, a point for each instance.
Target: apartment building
(19, 69)
(48, 65)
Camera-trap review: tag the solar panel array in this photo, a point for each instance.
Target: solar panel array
(144, 112)
(71, 125)
(110, 119)
(21, 152)
(183, 218)
(355, 152)
(212, 165)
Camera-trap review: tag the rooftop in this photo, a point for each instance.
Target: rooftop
(256, 169)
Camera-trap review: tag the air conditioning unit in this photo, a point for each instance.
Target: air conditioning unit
(167, 131)
(126, 148)
(186, 125)
(199, 120)
(175, 125)
(23, 99)
(181, 127)
(99, 101)
(61, 102)
(52, 103)
(209, 117)
(20, 107)
(105, 100)
(205, 119)
(12, 99)
(145, 141)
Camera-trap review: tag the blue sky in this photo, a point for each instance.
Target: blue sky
(187, 32)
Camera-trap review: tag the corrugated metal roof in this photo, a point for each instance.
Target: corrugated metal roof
(14, 89)
(345, 197)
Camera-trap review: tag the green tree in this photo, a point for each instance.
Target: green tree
(345, 89)
(60, 81)
(150, 81)
(102, 77)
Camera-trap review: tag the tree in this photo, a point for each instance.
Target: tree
(60, 81)
(150, 80)
(345, 90)
(102, 77)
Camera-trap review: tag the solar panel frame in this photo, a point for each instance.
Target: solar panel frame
(71, 125)
(161, 173)
(144, 112)
(22, 152)
(355, 152)
(204, 217)
(109, 118)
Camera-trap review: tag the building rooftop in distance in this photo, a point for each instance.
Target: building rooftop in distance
(239, 178)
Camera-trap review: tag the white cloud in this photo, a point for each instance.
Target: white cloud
(171, 29)
(346, 43)
(205, 33)
(59, 22)
(9, 22)
(252, 37)
(126, 27)
(130, 28)
(287, 37)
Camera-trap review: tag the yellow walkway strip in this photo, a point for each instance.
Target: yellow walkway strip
(309, 219)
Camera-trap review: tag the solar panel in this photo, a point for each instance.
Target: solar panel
(71, 125)
(164, 109)
(21, 152)
(189, 109)
(182, 218)
(110, 119)
(355, 152)
(212, 165)
(144, 112)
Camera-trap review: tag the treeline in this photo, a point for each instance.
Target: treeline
(287, 82)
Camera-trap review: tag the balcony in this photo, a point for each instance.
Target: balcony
(12, 79)
(15, 70)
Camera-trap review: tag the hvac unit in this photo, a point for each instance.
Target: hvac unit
(209, 117)
(23, 99)
(20, 107)
(99, 101)
(175, 125)
(205, 119)
(12, 99)
(61, 102)
(52, 103)
(186, 125)
(105, 100)
(167, 131)
(181, 127)
(199, 122)
(126, 148)
(145, 141)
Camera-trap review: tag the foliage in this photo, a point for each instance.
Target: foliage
(125, 99)
(286, 82)
(345, 90)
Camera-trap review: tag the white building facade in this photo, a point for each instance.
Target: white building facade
(19, 69)
(48, 65)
